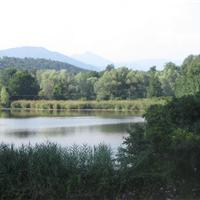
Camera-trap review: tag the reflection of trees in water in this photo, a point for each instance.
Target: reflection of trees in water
(4, 114)
(103, 129)
(115, 128)
(62, 113)
(61, 131)
(67, 131)
(21, 133)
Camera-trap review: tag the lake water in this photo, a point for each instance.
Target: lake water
(66, 128)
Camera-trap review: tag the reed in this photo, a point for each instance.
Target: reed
(138, 106)
(48, 171)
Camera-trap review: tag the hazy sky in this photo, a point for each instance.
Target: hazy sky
(117, 29)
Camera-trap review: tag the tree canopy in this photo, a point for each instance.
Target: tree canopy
(112, 83)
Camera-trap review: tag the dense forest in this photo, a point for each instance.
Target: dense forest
(111, 84)
(31, 64)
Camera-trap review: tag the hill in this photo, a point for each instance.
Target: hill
(39, 63)
(40, 52)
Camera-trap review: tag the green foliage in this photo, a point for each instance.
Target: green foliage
(154, 88)
(188, 82)
(4, 97)
(6, 75)
(61, 82)
(138, 106)
(168, 78)
(85, 85)
(23, 85)
(110, 67)
(50, 172)
(163, 154)
(56, 84)
(120, 83)
(36, 64)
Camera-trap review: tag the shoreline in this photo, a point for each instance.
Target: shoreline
(137, 105)
(63, 110)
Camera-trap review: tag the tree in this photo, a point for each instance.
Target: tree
(4, 97)
(110, 67)
(57, 84)
(154, 88)
(23, 85)
(161, 156)
(188, 82)
(5, 75)
(137, 83)
(168, 78)
(113, 85)
(85, 85)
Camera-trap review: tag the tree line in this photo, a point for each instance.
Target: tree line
(110, 84)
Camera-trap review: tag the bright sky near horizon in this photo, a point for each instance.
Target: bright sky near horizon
(119, 30)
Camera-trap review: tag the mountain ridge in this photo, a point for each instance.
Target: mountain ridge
(87, 60)
(93, 59)
(41, 52)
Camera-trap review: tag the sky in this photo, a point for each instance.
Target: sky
(119, 30)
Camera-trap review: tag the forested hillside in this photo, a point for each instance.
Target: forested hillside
(36, 64)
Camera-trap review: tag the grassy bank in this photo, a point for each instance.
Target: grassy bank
(138, 106)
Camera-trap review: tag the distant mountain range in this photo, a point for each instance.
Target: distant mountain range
(40, 52)
(144, 64)
(93, 59)
(88, 60)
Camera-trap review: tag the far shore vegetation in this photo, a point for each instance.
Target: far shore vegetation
(137, 106)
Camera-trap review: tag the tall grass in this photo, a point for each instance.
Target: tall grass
(139, 105)
(51, 172)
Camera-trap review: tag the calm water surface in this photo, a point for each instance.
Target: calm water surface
(65, 128)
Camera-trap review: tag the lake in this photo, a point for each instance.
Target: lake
(65, 128)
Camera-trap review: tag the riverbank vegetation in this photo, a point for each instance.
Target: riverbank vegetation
(137, 106)
(159, 160)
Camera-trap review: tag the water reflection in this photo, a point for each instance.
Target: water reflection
(66, 128)
(21, 133)
(51, 113)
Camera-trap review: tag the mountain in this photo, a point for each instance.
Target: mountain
(88, 60)
(93, 59)
(40, 52)
(146, 64)
(37, 63)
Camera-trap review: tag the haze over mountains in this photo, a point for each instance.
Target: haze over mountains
(145, 64)
(93, 59)
(88, 60)
(40, 52)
